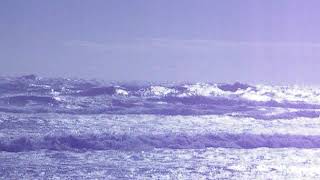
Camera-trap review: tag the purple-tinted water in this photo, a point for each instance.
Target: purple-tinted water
(79, 129)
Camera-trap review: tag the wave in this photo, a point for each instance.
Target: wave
(96, 91)
(194, 105)
(78, 87)
(23, 100)
(25, 94)
(148, 142)
(234, 87)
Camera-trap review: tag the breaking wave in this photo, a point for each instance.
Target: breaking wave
(32, 94)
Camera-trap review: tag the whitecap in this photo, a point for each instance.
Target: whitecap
(159, 91)
(122, 92)
(202, 89)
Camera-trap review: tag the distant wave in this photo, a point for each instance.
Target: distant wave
(32, 94)
(23, 100)
(96, 91)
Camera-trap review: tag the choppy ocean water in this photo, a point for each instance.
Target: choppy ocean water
(56, 128)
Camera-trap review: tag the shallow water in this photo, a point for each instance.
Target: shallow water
(212, 163)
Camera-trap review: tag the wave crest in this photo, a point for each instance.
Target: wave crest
(147, 142)
(25, 94)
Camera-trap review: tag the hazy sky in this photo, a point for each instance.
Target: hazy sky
(264, 41)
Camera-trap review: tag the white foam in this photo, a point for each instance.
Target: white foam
(209, 163)
(41, 86)
(254, 96)
(159, 91)
(202, 89)
(150, 124)
(122, 92)
(281, 94)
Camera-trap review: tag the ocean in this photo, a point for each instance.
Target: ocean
(60, 128)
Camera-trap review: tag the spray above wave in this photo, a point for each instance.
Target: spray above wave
(32, 94)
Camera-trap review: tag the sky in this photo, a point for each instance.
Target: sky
(254, 41)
